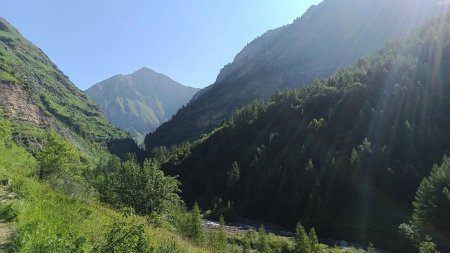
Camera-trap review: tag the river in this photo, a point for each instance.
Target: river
(242, 227)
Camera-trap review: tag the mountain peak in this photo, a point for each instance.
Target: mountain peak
(141, 101)
(145, 69)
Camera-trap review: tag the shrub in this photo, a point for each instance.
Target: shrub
(125, 237)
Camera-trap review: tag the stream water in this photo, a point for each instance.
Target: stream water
(242, 227)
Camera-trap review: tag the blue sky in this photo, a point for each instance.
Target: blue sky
(190, 41)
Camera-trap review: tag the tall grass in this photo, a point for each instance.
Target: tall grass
(49, 221)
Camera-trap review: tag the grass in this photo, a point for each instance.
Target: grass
(50, 221)
(5, 76)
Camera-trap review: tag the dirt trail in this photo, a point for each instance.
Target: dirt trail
(6, 227)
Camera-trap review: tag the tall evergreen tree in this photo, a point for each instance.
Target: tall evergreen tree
(196, 225)
(220, 239)
(431, 208)
(302, 242)
(313, 241)
(233, 175)
(371, 248)
(428, 246)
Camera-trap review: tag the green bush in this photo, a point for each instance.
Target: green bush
(144, 188)
(124, 237)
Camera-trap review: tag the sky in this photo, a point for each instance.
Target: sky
(189, 41)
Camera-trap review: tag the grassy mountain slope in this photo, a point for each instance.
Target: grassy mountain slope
(140, 102)
(344, 155)
(37, 96)
(47, 220)
(331, 35)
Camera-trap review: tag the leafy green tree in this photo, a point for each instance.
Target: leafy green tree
(160, 154)
(57, 156)
(144, 188)
(302, 243)
(105, 180)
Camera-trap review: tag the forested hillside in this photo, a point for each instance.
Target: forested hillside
(329, 36)
(344, 155)
(138, 103)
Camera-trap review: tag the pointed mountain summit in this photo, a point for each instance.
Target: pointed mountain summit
(141, 101)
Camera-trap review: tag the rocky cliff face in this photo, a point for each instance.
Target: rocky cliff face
(140, 102)
(18, 106)
(329, 36)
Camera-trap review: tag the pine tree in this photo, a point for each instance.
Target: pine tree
(425, 201)
(302, 243)
(233, 175)
(354, 158)
(431, 207)
(313, 241)
(196, 225)
(221, 237)
(371, 248)
(428, 246)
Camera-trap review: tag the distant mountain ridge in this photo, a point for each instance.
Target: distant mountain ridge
(329, 36)
(138, 103)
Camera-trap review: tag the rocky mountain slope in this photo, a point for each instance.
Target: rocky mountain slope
(36, 96)
(327, 37)
(344, 155)
(140, 102)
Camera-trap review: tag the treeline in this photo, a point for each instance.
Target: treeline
(345, 155)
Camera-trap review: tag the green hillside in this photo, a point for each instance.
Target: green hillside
(344, 155)
(37, 96)
(48, 217)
